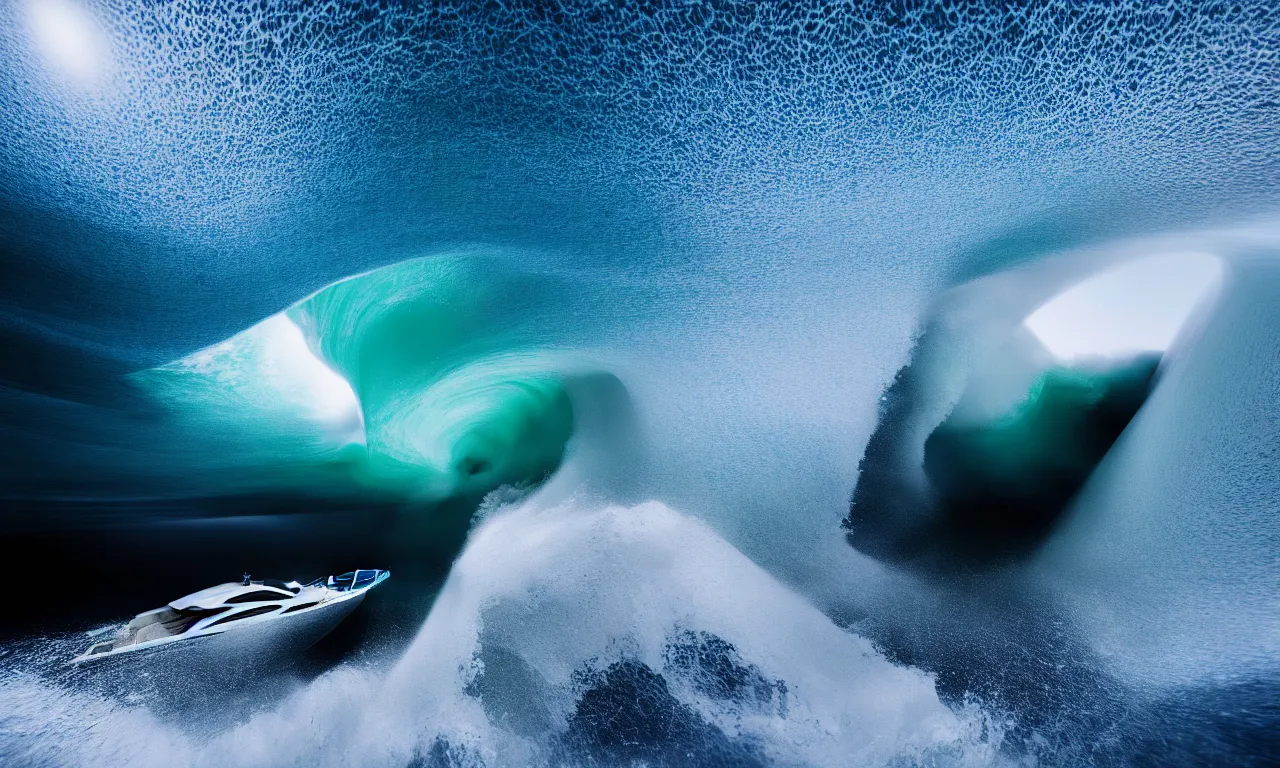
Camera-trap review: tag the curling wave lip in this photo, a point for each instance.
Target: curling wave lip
(270, 615)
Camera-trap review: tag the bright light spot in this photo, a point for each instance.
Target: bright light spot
(1136, 307)
(289, 365)
(271, 367)
(69, 38)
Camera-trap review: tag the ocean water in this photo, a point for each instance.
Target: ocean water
(617, 331)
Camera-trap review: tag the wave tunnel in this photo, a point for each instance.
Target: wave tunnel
(1003, 414)
(422, 379)
(723, 383)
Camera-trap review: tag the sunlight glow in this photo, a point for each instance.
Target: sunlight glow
(69, 38)
(1139, 306)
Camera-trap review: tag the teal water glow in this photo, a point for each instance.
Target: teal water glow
(1019, 468)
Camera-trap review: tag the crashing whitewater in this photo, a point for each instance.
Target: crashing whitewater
(681, 651)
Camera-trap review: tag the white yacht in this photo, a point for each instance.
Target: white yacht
(254, 616)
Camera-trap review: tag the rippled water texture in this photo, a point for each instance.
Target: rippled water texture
(724, 383)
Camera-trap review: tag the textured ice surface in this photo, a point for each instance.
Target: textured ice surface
(252, 122)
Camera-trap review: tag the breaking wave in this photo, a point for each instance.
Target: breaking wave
(428, 379)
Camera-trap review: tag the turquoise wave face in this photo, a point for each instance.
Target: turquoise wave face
(1016, 472)
(428, 379)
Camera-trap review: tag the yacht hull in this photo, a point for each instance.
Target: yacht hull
(260, 645)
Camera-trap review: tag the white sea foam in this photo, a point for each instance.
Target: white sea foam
(565, 589)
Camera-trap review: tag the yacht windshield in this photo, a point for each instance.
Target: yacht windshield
(260, 596)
